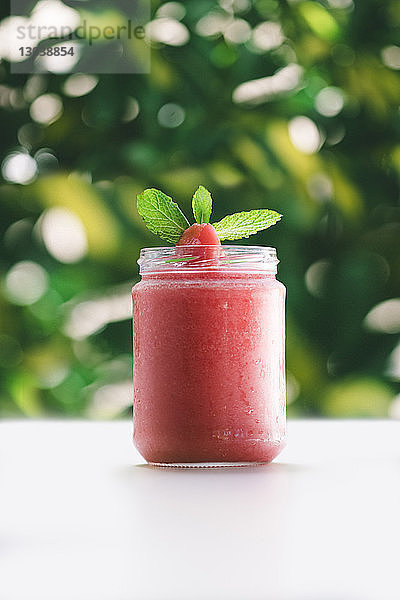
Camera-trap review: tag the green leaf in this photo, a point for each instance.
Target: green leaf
(243, 224)
(161, 215)
(202, 205)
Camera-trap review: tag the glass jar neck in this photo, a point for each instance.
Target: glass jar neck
(194, 260)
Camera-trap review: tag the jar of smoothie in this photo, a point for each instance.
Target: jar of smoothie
(208, 346)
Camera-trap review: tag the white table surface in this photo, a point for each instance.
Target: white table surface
(82, 518)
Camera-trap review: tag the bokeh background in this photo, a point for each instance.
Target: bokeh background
(286, 105)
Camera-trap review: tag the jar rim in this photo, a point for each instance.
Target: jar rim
(207, 257)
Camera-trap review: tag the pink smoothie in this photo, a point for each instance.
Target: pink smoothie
(209, 382)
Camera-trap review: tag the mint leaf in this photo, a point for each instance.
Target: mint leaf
(161, 215)
(243, 224)
(202, 205)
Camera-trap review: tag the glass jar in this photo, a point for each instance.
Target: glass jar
(208, 345)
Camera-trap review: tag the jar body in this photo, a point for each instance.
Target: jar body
(209, 381)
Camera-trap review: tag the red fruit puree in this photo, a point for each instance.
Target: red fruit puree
(209, 382)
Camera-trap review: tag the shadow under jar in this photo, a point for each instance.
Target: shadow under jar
(209, 348)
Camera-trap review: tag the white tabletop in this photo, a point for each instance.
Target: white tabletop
(82, 518)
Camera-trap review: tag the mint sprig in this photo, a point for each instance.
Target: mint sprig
(161, 215)
(202, 205)
(243, 224)
(164, 217)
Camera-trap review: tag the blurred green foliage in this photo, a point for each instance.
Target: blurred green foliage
(319, 142)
